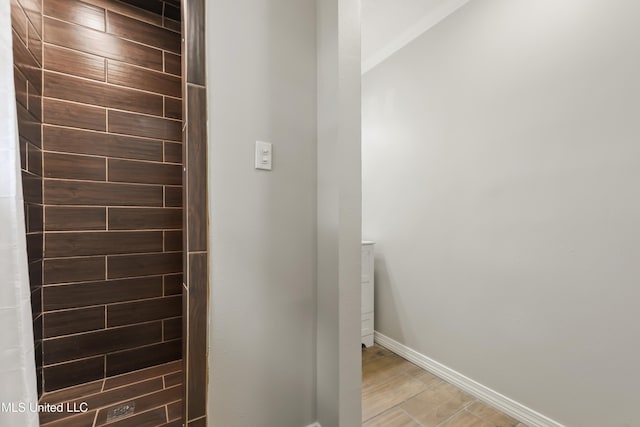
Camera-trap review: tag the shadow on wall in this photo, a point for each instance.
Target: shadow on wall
(385, 289)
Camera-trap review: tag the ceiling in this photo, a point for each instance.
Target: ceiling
(387, 25)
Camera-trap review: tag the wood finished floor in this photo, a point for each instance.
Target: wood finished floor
(397, 393)
(156, 393)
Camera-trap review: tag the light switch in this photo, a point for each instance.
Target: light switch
(264, 155)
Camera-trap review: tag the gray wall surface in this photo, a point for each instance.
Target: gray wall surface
(261, 59)
(500, 181)
(339, 220)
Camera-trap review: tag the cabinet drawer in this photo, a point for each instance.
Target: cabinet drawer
(366, 263)
(367, 324)
(366, 302)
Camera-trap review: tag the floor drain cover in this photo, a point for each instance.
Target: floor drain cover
(120, 411)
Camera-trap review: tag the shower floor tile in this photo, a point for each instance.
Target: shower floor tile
(150, 397)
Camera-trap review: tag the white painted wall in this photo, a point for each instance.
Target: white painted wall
(386, 20)
(388, 25)
(339, 221)
(285, 245)
(261, 59)
(500, 181)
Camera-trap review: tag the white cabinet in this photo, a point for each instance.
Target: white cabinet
(366, 282)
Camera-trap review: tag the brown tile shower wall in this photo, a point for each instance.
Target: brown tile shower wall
(112, 143)
(196, 259)
(26, 23)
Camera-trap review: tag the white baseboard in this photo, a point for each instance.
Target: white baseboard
(314, 425)
(510, 407)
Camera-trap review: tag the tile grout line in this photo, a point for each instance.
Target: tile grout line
(455, 414)
(163, 52)
(462, 409)
(110, 33)
(124, 386)
(111, 84)
(411, 416)
(111, 328)
(104, 132)
(116, 110)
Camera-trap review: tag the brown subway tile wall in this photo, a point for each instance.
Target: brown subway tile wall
(172, 284)
(74, 115)
(79, 269)
(155, 392)
(63, 218)
(132, 10)
(59, 245)
(101, 292)
(197, 342)
(196, 157)
(62, 192)
(138, 358)
(26, 63)
(173, 196)
(145, 218)
(172, 108)
(173, 241)
(142, 32)
(194, 42)
(61, 86)
(144, 172)
(144, 311)
(172, 64)
(66, 322)
(78, 141)
(69, 347)
(144, 265)
(144, 126)
(70, 166)
(26, 23)
(143, 79)
(77, 372)
(76, 12)
(196, 283)
(172, 329)
(32, 188)
(111, 131)
(154, 6)
(99, 43)
(73, 62)
(34, 214)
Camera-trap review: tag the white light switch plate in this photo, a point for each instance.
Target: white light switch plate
(264, 155)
